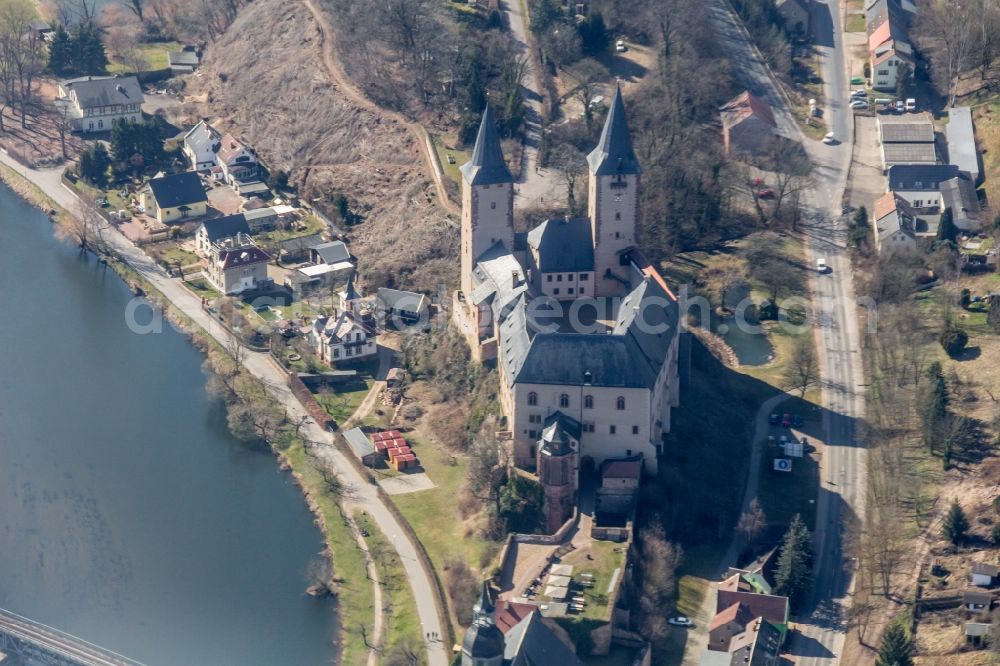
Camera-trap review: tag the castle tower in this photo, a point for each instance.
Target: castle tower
(613, 191)
(487, 199)
(483, 643)
(557, 472)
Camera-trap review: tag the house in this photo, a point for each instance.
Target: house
(342, 337)
(920, 185)
(532, 640)
(403, 307)
(621, 475)
(261, 219)
(561, 258)
(984, 574)
(738, 588)
(893, 219)
(759, 645)
(977, 633)
(183, 61)
(906, 140)
(175, 198)
(961, 135)
(93, 103)
(362, 447)
(332, 253)
(887, 59)
(959, 195)
(200, 145)
(237, 265)
(295, 248)
(211, 232)
(237, 162)
(726, 624)
(795, 14)
(977, 602)
(40, 30)
(889, 50)
(748, 125)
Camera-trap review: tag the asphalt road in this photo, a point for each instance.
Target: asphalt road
(819, 636)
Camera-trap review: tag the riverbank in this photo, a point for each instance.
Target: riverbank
(360, 609)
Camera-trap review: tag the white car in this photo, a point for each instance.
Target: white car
(680, 621)
(829, 139)
(859, 104)
(821, 265)
(911, 104)
(620, 46)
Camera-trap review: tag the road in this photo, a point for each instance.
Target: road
(535, 186)
(60, 646)
(840, 501)
(362, 495)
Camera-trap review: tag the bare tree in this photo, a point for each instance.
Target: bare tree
(587, 75)
(752, 522)
(953, 25)
(803, 369)
(569, 162)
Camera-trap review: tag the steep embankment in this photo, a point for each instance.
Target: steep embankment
(264, 80)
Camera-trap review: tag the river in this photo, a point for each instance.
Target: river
(128, 515)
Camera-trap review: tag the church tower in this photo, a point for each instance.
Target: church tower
(487, 199)
(613, 192)
(483, 643)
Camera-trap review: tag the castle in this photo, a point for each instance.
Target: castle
(582, 328)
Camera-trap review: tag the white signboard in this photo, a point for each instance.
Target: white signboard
(782, 465)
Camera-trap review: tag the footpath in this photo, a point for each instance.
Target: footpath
(363, 495)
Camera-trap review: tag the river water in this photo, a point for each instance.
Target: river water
(128, 515)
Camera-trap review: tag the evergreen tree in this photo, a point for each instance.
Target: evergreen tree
(947, 231)
(89, 56)
(896, 648)
(594, 37)
(61, 52)
(792, 576)
(94, 165)
(953, 339)
(956, 525)
(129, 139)
(935, 405)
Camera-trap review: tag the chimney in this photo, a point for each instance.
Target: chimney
(514, 279)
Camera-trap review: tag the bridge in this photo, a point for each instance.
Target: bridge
(19, 635)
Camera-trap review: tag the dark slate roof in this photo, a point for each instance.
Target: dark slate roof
(649, 316)
(225, 227)
(403, 301)
(613, 154)
(559, 430)
(920, 177)
(483, 641)
(94, 91)
(563, 245)
(188, 58)
(484, 605)
(563, 358)
(487, 165)
(332, 252)
(178, 189)
(243, 256)
(532, 643)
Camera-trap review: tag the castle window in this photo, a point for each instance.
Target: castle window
(570, 290)
(559, 278)
(635, 430)
(532, 433)
(556, 291)
(548, 278)
(564, 400)
(611, 429)
(493, 205)
(588, 427)
(620, 403)
(584, 277)
(618, 215)
(588, 402)
(534, 418)
(628, 452)
(532, 398)
(618, 234)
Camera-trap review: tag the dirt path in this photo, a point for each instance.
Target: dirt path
(340, 79)
(385, 357)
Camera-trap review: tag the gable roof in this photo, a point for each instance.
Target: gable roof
(242, 255)
(976, 598)
(743, 106)
(359, 442)
(178, 189)
(613, 154)
(230, 147)
(332, 252)
(920, 177)
(94, 91)
(532, 643)
(486, 166)
(962, 140)
(202, 137)
(509, 613)
(737, 612)
(908, 130)
(985, 569)
(404, 301)
(184, 58)
(563, 245)
(959, 194)
(225, 227)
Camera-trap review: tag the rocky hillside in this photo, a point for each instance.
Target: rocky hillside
(264, 81)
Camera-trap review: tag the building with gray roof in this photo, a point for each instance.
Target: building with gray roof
(959, 194)
(961, 135)
(94, 103)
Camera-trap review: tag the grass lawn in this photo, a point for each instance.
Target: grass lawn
(606, 557)
(308, 225)
(154, 54)
(201, 287)
(340, 402)
(855, 23)
(987, 119)
(355, 597)
(784, 494)
(176, 255)
(459, 157)
(402, 624)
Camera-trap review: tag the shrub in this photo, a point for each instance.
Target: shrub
(953, 339)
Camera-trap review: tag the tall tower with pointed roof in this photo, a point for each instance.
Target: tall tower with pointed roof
(613, 191)
(487, 199)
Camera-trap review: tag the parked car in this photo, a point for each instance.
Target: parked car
(796, 421)
(680, 621)
(859, 104)
(773, 418)
(786, 420)
(830, 139)
(821, 266)
(620, 46)
(859, 93)
(900, 107)
(911, 104)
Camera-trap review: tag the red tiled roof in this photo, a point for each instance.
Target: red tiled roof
(737, 612)
(621, 469)
(509, 613)
(241, 256)
(879, 35)
(400, 452)
(885, 205)
(772, 608)
(650, 271)
(744, 106)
